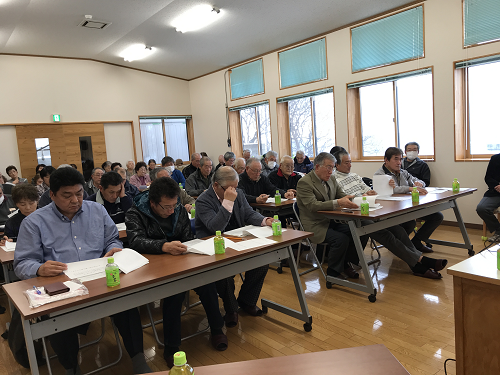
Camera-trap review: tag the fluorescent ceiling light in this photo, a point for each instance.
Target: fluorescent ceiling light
(196, 18)
(136, 52)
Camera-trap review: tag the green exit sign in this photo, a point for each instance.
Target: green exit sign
(56, 118)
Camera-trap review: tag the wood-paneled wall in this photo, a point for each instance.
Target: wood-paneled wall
(64, 141)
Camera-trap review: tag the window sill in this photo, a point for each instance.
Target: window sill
(473, 159)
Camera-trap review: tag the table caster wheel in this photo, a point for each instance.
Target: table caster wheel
(279, 270)
(308, 327)
(265, 309)
(328, 285)
(372, 298)
(471, 252)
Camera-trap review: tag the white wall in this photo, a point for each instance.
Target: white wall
(34, 88)
(8, 149)
(443, 46)
(119, 147)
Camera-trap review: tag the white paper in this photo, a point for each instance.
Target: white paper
(388, 198)
(250, 244)
(9, 246)
(271, 200)
(72, 285)
(205, 247)
(262, 232)
(240, 232)
(381, 185)
(121, 226)
(129, 260)
(369, 198)
(374, 208)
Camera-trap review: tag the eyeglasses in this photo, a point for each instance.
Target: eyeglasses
(169, 208)
(329, 167)
(287, 166)
(259, 171)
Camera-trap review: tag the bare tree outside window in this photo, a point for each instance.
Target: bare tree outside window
(256, 129)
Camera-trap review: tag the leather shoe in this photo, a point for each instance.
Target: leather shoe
(426, 249)
(333, 273)
(351, 273)
(169, 359)
(252, 310)
(219, 342)
(429, 274)
(231, 319)
(440, 264)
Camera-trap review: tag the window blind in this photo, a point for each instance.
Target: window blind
(391, 39)
(478, 61)
(253, 105)
(389, 78)
(247, 80)
(303, 64)
(305, 95)
(164, 117)
(481, 21)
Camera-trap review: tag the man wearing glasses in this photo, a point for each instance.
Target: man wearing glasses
(157, 223)
(285, 178)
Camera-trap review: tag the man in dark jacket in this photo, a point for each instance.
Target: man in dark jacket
(130, 190)
(285, 178)
(6, 207)
(193, 167)
(158, 224)
(200, 180)
(416, 167)
(302, 163)
(491, 199)
(223, 207)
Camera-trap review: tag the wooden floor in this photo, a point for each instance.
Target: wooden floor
(412, 316)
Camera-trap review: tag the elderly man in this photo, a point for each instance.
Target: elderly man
(229, 158)
(394, 238)
(200, 180)
(240, 165)
(256, 186)
(186, 200)
(269, 163)
(157, 224)
(301, 163)
(130, 169)
(71, 230)
(92, 186)
(130, 189)
(246, 154)
(285, 178)
(402, 182)
(193, 167)
(415, 166)
(175, 174)
(223, 207)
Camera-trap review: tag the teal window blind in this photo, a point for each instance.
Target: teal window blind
(481, 21)
(392, 39)
(247, 80)
(303, 64)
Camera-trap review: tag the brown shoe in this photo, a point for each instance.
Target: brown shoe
(231, 319)
(426, 249)
(252, 310)
(429, 274)
(351, 273)
(440, 264)
(219, 342)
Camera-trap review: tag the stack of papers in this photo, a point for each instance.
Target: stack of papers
(390, 198)
(271, 200)
(206, 247)
(259, 232)
(9, 246)
(370, 199)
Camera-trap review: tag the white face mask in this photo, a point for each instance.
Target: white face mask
(170, 168)
(2, 198)
(271, 164)
(412, 155)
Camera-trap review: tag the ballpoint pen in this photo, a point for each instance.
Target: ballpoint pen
(36, 290)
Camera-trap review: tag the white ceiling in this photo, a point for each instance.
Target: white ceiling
(247, 28)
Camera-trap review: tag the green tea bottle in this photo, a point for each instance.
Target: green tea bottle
(277, 197)
(276, 226)
(365, 207)
(415, 195)
(180, 365)
(455, 186)
(193, 211)
(219, 244)
(112, 273)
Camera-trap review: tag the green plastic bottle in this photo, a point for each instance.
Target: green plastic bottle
(219, 244)
(455, 186)
(365, 207)
(277, 197)
(193, 211)
(276, 226)
(112, 273)
(498, 260)
(180, 185)
(415, 195)
(181, 366)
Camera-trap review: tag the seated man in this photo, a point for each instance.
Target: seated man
(6, 207)
(228, 159)
(247, 154)
(92, 186)
(318, 191)
(200, 180)
(269, 163)
(240, 165)
(26, 199)
(416, 167)
(112, 196)
(71, 230)
(223, 207)
(301, 163)
(45, 175)
(193, 167)
(285, 178)
(221, 162)
(256, 186)
(14, 175)
(186, 200)
(175, 174)
(45, 198)
(491, 199)
(402, 182)
(394, 238)
(130, 189)
(157, 224)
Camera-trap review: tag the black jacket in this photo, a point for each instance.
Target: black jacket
(253, 189)
(5, 207)
(305, 167)
(197, 184)
(115, 210)
(419, 169)
(13, 225)
(189, 170)
(281, 182)
(144, 232)
(492, 177)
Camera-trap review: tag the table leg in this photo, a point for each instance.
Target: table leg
(6, 275)
(30, 347)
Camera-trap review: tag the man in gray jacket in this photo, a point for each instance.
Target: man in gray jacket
(402, 182)
(224, 207)
(199, 181)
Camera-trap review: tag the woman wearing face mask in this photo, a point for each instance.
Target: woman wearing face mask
(175, 174)
(416, 167)
(141, 179)
(269, 163)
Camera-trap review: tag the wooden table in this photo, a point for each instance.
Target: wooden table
(476, 288)
(284, 208)
(165, 275)
(394, 213)
(363, 360)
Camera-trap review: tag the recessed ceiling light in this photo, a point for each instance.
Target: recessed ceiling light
(136, 52)
(196, 18)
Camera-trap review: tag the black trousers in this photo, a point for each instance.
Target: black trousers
(432, 221)
(66, 346)
(341, 246)
(172, 307)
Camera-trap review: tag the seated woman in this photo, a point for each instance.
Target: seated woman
(141, 180)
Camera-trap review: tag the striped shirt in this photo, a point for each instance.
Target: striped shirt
(351, 183)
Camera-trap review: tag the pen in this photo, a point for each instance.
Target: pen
(36, 290)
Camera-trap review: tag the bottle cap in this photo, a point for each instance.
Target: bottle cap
(364, 198)
(179, 358)
(192, 205)
(111, 260)
(217, 233)
(275, 217)
(277, 191)
(454, 179)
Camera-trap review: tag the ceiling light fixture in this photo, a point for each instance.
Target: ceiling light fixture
(136, 52)
(196, 18)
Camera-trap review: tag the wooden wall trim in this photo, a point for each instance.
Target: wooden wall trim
(190, 135)
(355, 141)
(235, 131)
(284, 146)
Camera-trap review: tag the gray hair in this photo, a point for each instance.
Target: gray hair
(239, 160)
(69, 166)
(251, 160)
(322, 156)
(155, 171)
(247, 150)
(194, 155)
(229, 155)
(285, 157)
(121, 170)
(271, 153)
(93, 170)
(340, 155)
(225, 174)
(300, 152)
(204, 160)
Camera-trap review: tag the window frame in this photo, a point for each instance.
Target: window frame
(354, 129)
(263, 79)
(463, 34)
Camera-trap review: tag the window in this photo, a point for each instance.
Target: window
(247, 80)
(311, 122)
(251, 123)
(43, 151)
(476, 103)
(165, 136)
(481, 21)
(391, 111)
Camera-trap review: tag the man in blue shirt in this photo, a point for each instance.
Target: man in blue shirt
(70, 230)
